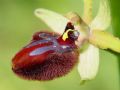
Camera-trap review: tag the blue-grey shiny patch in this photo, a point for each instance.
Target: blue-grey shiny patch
(41, 50)
(46, 40)
(37, 42)
(55, 46)
(45, 35)
(66, 48)
(60, 49)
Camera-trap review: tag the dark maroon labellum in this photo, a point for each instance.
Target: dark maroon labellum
(46, 57)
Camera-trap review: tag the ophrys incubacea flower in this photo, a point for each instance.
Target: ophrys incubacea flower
(90, 39)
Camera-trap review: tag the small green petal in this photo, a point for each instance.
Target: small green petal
(105, 40)
(54, 20)
(103, 18)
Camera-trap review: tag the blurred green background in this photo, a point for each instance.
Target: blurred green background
(18, 23)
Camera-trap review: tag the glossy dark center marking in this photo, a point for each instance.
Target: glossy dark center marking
(41, 50)
(37, 42)
(48, 38)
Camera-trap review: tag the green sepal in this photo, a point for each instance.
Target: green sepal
(105, 40)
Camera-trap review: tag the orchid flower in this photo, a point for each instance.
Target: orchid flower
(92, 34)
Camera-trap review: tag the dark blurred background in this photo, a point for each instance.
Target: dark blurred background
(18, 23)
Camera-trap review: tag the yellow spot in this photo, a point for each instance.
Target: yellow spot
(65, 35)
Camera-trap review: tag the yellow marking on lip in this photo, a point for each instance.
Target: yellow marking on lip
(65, 35)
